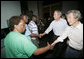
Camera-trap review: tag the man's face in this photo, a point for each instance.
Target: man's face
(25, 19)
(35, 19)
(21, 26)
(56, 15)
(71, 18)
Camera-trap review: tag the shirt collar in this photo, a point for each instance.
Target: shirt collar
(58, 20)
(78, 26)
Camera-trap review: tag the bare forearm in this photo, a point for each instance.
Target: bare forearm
(41, 50)
(34, 35)
(56, 41)
(43, 34)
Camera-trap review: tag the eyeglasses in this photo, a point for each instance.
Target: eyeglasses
(21, 24)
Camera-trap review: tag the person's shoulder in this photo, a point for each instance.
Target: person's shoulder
(81, 25)
(11, 35)
(16, 34)
(68, 28)
(31, 22)
(21, 36)
(64, 20)
(53, 21)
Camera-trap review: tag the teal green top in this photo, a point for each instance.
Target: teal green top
(18, 46)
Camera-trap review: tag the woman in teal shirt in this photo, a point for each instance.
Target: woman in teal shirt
(17, 45)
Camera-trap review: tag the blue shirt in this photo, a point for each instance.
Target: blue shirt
(27, 31)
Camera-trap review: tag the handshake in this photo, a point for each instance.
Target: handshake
(40, 35)
(51, 46)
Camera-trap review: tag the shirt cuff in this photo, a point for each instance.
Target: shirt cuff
(46, 32)
(59, 39)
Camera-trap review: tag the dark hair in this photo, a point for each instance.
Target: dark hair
(14, 20)
(34, 16)
(22, 15)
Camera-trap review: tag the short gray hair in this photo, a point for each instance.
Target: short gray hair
(59, 12)
(76, 14)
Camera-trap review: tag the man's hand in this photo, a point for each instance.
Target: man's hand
(53, 44)
(43, 34)
(50, 46)
(56, 41)
(39, 36)
(67, 42)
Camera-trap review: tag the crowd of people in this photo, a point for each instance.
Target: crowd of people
(23, 40)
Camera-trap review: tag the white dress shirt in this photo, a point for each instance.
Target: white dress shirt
(75, 35)
(32, 26)
(57, 26)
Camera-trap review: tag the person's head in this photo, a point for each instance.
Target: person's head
(25, 18)
(57, 14)
(73, 16)
(17, 23)
(34, 18)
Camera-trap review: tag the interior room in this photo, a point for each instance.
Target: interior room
(44, 10)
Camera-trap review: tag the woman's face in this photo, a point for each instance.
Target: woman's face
(20, 27)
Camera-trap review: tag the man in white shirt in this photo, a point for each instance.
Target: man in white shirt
(74, 33)
(58, 26)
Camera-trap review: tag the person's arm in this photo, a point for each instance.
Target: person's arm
(48, 29)
(62, 37)
(35, 35)
(29, 48)
(30, 27)
(43, 49)
(67, 42)
(42, 34)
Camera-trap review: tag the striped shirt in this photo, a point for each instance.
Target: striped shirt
(32, 26)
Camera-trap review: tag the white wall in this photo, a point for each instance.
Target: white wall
(8, 9)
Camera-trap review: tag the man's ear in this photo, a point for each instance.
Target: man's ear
(15, 26)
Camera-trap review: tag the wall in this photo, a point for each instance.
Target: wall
(68, 5)
(32, 5)
(8, 9)
(36, 7)
(40, 7)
